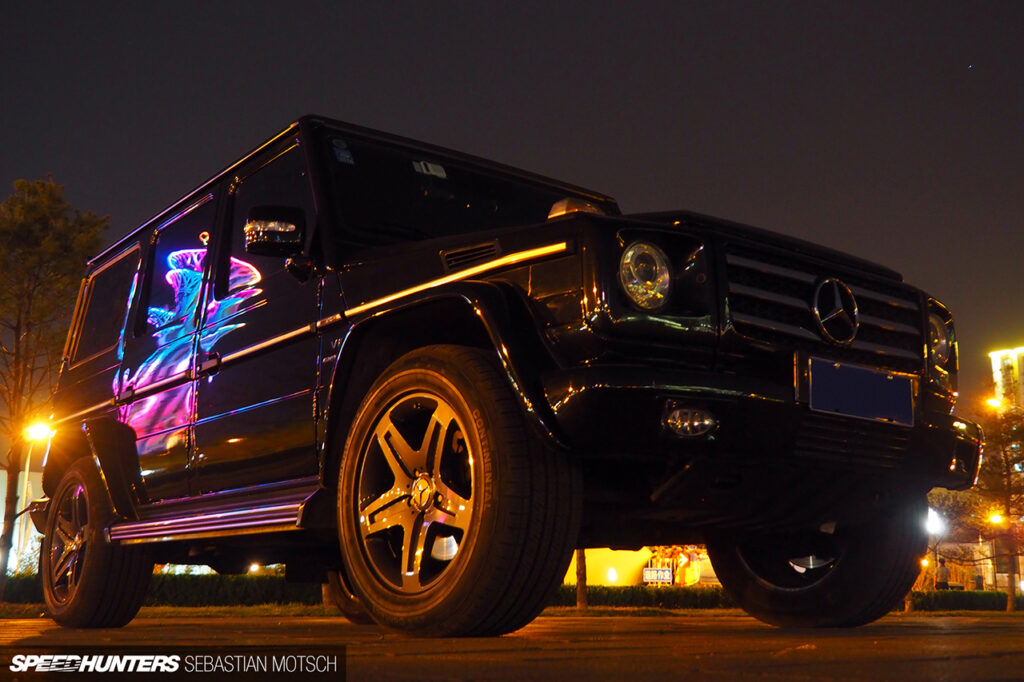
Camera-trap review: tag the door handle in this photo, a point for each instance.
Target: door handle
(211, 364)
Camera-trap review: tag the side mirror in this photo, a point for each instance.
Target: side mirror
(274, 231)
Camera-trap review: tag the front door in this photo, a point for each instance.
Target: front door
(254, 412)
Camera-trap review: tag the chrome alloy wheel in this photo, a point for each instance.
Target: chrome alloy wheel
(68, 546)
(415, 492)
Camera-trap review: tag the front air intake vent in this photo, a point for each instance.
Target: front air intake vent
(467, 256)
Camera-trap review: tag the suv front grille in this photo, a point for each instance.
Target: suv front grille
(770, 299)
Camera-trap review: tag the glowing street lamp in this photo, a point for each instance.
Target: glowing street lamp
(38, 432)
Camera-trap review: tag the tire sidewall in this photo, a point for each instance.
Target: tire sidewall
(78, 608)
(881, 558)
(477, 566)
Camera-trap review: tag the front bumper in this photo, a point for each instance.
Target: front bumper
(616, 411)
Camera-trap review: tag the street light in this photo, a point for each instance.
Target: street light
(1006, 527)
(38, 432)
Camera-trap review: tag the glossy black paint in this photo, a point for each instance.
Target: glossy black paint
(271, 362)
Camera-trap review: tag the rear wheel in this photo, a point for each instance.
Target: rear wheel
(832, 575)
(87, 582)
(454, 517)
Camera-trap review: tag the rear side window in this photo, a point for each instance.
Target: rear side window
(108, 294)
(176, 273)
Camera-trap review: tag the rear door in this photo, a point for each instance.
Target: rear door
(158, 352)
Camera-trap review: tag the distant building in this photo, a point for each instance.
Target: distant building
(1006, 370)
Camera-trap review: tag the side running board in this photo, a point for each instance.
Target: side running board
(262, 509)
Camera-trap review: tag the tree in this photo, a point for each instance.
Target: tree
(44, 244)
(1001, 485)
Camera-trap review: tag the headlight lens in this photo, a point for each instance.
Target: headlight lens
(645, 276)
(939, 341)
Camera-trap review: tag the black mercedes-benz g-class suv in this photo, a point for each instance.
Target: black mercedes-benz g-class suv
(423, 378)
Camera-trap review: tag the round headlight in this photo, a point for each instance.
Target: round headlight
(645, 276)
(939, 341)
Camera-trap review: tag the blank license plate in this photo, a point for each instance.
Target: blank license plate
(861, 392)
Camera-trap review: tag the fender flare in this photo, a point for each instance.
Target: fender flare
(504, 321)
(113, 448)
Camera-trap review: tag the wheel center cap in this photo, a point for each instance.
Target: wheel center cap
(422, 492)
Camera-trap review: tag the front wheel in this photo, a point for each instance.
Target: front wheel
(832, 575)
(88, 582)
(454, 517)
(337, 594)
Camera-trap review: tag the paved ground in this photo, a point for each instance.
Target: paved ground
(908, 648)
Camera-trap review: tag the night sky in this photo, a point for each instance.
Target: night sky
(893, 130)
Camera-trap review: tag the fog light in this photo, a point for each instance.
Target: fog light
(689, 422)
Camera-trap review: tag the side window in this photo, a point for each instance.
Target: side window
(108, 295)
(281, 183)
(176, 274)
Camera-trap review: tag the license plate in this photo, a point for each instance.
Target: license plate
(853, 391)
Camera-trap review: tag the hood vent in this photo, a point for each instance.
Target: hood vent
(467, 256)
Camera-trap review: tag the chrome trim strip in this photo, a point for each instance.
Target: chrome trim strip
(198, 535)
(770, 269)
(181, 377)
(287, 336)
(204, 523)
(82, 413)
(249, 408)
(510, 259)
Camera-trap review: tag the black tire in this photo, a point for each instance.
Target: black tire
(337, 594)
(833, 576)
(87, 582)
(492, 511)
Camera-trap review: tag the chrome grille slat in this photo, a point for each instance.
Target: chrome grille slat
(889, 325)
(861, 292)
(776, 326)
(768, 296)
(884, 350)
(770, 299)
(771, 269)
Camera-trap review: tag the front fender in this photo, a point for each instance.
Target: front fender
(483, 314)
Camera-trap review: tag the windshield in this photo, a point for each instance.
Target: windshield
(386, 194)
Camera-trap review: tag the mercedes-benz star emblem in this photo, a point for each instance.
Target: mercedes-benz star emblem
(835, 311)
(422, 492)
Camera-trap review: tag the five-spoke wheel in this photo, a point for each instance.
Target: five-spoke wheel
(415, 491)
(87, 581)
(454, 518)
